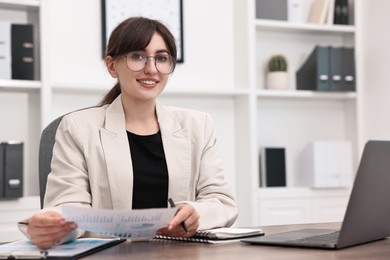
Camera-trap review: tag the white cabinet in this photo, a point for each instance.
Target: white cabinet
(276, 206)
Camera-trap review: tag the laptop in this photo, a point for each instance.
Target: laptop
(367, 217)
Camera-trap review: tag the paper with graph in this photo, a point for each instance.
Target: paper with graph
(140, 223)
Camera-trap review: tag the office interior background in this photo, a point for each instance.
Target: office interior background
(225, 52)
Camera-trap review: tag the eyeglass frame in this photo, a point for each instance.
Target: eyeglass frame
(172, 59)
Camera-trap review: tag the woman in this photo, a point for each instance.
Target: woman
(132, 152)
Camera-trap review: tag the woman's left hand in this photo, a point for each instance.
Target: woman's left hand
(185, 214)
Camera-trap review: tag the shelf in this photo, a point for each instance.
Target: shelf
(20, 85)
(83, 88)
(20, 4)
(284, 26)
(306, 94)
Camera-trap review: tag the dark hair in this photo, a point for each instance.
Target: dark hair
(134, 34)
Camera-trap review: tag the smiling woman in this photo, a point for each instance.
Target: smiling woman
(132, 152)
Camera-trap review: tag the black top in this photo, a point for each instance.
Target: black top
(150, 171)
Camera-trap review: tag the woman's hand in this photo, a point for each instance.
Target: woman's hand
(185, 214)
(48, 228)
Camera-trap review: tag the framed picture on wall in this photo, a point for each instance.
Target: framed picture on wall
(170, 12)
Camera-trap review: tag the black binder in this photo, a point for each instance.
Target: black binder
(348, 69)
(344, 17)
(335, 69)
(11, 172)
(22, 51)
(314, 73)
(337, 12)
(273, 167)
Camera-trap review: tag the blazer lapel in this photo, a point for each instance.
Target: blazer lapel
(117, 153)
(177, 153)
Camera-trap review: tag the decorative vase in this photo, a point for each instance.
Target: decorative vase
(277, 80)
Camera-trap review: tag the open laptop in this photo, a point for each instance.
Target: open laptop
(368, 212)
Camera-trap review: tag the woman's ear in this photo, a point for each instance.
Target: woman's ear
(110, 64)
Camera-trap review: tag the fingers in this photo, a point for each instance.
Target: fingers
(48, 228)
(187, 215)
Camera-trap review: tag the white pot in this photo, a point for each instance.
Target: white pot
(277, 80)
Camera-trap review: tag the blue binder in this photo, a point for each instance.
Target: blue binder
(314, 73)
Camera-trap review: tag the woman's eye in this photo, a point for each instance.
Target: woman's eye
(137, 56)
(162, 58)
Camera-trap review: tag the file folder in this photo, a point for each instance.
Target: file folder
(11, 169)
(22, 51)
(348, 69)
(314, 73)
(335, 69)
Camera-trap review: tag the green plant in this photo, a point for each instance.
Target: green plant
(277, 63)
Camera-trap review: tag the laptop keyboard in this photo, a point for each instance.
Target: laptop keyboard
(320, 239)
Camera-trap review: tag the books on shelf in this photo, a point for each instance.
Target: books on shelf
(16, 51)
(328, 69)
(319, 11)
(329, 12)
(283, 10)
(218, 235)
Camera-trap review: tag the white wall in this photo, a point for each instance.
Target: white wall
(75, 44)
(375, 52)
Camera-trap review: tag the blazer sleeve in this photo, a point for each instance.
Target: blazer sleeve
(214, 199)
(68, 182)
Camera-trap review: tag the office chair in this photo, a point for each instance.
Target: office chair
(46, 144)
(45, 153)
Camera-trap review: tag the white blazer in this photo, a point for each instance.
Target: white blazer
(91, 164)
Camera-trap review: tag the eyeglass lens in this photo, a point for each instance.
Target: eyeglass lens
(137, 61)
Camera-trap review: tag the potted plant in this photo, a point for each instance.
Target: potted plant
(277, 73)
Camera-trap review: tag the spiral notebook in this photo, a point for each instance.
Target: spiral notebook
(218, 235)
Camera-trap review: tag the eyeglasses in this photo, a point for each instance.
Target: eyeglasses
(137, 61)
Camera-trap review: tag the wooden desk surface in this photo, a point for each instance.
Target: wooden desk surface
(165, 249)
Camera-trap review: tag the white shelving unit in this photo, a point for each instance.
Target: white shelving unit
(293, 118)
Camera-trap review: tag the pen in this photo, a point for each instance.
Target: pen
(173, 205)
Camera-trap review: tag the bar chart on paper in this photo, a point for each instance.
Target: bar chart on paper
(141, 223)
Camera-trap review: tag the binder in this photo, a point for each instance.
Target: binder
(341, 12)
(5, 50)
(22, 51)
(344, 15)
(348, 69)
(314, 73)
(335, 69)
(273, 167)
(12, 169)
(337, 12)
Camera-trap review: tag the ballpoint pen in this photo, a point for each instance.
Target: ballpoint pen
(173, 205)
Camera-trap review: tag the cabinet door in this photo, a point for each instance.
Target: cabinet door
(283, 211)
(328, 209)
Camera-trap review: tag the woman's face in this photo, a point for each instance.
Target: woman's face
(145, 84)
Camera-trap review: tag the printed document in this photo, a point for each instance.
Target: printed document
(140, 223)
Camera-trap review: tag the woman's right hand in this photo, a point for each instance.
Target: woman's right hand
(48, 228)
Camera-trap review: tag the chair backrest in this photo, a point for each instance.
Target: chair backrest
(46, 144)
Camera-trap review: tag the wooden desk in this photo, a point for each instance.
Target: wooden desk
(238, 250)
